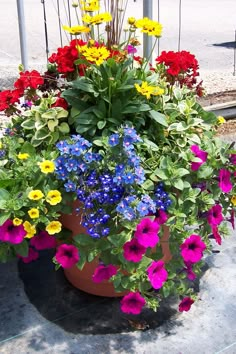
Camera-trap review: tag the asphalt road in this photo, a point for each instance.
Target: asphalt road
(206, 24)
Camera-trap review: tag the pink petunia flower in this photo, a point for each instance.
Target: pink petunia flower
(132, 303)
(201, 154)
(186, 304)
(104, 272)
(32, 256)
(214, 215)
(11, 233)
(133, 251)
(225, 183)
(146, 233)
(189, 270)
(161, 217)
(157, 274)
(131, 49)
(43, 241)
(216, 234)
(192, 249)
(233, 159)
(67, 255)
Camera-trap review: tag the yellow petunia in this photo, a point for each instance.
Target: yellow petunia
(53, 197)
(53, 227)
(17, 221)
(23, 156)
(147, 90)
(220, 119)
(30, 229)
(47, 166)
(35, 194)
(233, 200)
(33, 213)
(97, 19)
(76, 29)
(95, 55)
(150, 27)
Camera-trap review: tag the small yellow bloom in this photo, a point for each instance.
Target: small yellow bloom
(97, 19)
(150, 27)
(147, 90)
(47, 166)
(17, 221)
(90, 6)
(95, 55)
(33, 213)
(220, 119)
(131, 20)
(35, 195)
(53, 197)
(158, 91)
(30, 229)
(53, 227)
(23, 156)
(76, 29)
(233, 200)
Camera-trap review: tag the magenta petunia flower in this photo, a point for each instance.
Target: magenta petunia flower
(32, 256)
(214, 215)
(186, 304)
(192, 249)
(67, 255)
(43, 241)
(189, 270)
(132, 303)
(231, 219)
(11, 233)
(225, 183)
(157, 274)
(216, 234)
(131, 49)
(133, 251)
(146, 233)
(201, 154)
(161, 217)
(104, 272)
(233, 159)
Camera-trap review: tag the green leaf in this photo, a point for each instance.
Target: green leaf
(182, 172)
(148, 185)
(101, 124)
(52, 124)
(161, 174)
(4, 217)
(4, 194)
(22, 248)
(28, 124)
(64, 128)
(50, 114)
(42, 134)
(204, 172)
(61, 113)
(159, 118)
(178, 184)
(82, 239)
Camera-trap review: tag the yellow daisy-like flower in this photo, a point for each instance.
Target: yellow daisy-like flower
(233, 200)
(95, 55)
(35, 194)
(53, 227)
(33, 213)
(23, 156)
(76, 29)
(47, 166)
(131, 20)
(152, 28)
(53, 197)
(220, 119)
(30, 229)
(17, 221)
(97, 19)
(90, 6)
(147, 90)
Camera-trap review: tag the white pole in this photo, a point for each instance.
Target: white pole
(22, 33)
(147, 40)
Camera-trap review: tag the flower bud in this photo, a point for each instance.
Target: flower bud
(131, 20)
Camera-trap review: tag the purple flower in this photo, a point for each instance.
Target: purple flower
(113, 140)
(133, 251)
(157, 274)
(216, 234)
(186, 304)
(192, 249)
(146, 233)
(189, 270)
(43, 241)
(202, 155)
(214, 215)
(225, 184)
(32, 256)
(233, 159)
(67, 255)
(130, 49)
(11, 233)
(132, 303)
(104, 272)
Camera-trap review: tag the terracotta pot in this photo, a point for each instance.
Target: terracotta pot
(82, 279)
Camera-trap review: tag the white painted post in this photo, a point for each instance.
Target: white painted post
(22, 34)
(147, 40)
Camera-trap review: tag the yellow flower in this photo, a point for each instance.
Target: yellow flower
(76, 29)
(33, 213)
(47, 166)
(152, 28)
(97, 19)
(17, 221)
(220, 119)
(95, 55)
(23, 156)
(53, 197)
(35, 195)
(131, 20)
(233, 200)
(147, 90)
(30, 229)
(53, 227)
(90, 5)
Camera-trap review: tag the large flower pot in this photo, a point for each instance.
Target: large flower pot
(82, 279)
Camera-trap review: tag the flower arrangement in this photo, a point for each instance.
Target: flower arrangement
(129, 143)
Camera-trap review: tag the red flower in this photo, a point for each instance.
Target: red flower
(186, 304)
(60, 102)
(8, 98)
(29, 79)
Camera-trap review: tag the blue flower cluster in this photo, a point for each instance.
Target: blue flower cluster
(161, 198)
